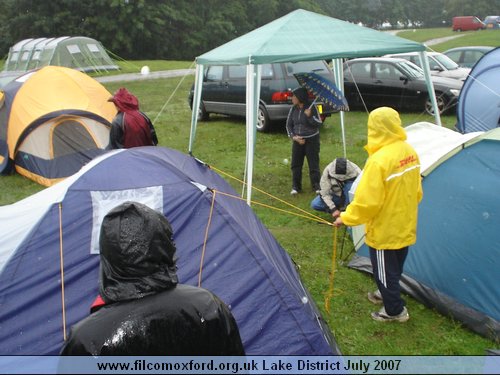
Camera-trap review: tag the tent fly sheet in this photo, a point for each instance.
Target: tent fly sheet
(53, 121)
(78, 52)
(479, 103)
(49, 258)
(454, 264)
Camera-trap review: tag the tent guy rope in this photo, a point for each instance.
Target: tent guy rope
(61, 258)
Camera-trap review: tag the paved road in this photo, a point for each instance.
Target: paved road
(430, 42)
(442, 40)
(141, 77)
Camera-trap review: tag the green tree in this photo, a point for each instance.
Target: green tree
(479, 8)
(182, 29)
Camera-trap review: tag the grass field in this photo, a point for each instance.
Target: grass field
(221, 143)
(467, 38)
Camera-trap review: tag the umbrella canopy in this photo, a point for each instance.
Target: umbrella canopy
(323, 89)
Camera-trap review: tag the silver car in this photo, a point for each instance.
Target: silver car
(440, 64)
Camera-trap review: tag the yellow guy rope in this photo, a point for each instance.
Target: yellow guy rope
(206, 238)
(308, 215)
(329, 294)
(61, 257)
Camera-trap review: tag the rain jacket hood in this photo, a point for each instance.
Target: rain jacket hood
(130, 127)
(124, 100)
(137, 253)
(384, 127)
(146, 313)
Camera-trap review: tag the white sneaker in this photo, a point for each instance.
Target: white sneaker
(375, 297)
(294, 192)
(382, 316)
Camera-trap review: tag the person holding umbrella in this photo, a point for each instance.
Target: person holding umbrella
(302, 126)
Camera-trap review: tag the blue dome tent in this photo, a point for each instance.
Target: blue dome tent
(454, 266)
(49, 254)
(479, 101)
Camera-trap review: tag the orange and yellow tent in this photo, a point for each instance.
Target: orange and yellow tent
(52, 122)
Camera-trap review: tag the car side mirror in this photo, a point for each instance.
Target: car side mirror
(404, 79)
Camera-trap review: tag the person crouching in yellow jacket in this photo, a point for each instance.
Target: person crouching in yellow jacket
(386, 201)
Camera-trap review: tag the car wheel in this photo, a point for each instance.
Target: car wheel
(263, 122)
(202, 113)
(441, 104)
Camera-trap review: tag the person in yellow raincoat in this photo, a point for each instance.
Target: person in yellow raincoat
(386, 201)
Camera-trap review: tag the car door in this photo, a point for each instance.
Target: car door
(235, 99)
(358, 85)
(214, 89)
(391, 86)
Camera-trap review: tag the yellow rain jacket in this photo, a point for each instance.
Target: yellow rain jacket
(387, 197)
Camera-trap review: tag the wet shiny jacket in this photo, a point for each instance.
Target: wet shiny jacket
(146, 311)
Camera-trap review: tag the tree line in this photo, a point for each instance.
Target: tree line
(184, 29)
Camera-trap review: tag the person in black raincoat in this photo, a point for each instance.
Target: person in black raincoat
(143, 309)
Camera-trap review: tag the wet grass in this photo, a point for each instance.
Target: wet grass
(221, 143)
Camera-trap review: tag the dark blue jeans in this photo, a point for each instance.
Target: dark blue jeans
(319, 205)
(309, 150)
(387, 269)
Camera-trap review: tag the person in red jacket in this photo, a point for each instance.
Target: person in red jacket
(141, 308)
(130, 127)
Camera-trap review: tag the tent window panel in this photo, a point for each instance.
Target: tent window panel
(25, 56)
(70, 136)
(15, 56)
(73, 48)
(93, 48)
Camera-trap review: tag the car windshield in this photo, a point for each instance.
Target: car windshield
(446, 62)
(410, 69)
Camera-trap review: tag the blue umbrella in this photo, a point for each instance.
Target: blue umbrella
(323, 89)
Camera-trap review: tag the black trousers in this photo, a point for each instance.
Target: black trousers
(387, 269)
(309, 150)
